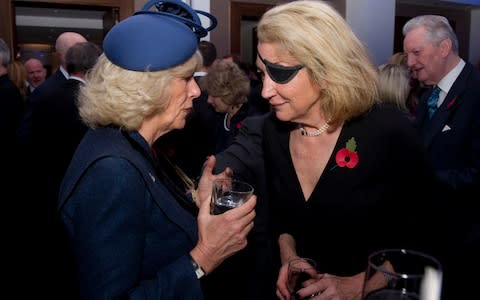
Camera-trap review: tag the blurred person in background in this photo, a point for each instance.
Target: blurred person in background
(11, 104)
(36, 74)
(449, 124)
(18, 74)
(11, 109)
(63, 42)
(55, 115)
(228, 89)
(394, 86)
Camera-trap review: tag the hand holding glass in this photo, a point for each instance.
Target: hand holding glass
(399, 274)
(228, 194)
(299, 271)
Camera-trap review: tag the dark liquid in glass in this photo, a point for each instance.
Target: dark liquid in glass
(223, 204)
(298, 278)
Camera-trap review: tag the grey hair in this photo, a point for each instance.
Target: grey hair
(4, 53)
(437, 27)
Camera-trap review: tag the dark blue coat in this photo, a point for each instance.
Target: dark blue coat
(130, 236)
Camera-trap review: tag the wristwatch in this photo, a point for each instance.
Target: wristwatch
(198, 270)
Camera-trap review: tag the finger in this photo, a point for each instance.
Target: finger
(225, 174)
(244, 209)
(279, 295)
(208, 165)
(247, 229)
(245, 212)
(228, 172)
(204, 207)
(308, 292)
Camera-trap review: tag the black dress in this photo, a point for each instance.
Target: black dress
(353, 211)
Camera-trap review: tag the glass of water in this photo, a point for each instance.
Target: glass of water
(228, 194)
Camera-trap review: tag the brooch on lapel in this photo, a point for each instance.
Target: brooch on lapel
(347, 157)
(239, 125)
(452, 102)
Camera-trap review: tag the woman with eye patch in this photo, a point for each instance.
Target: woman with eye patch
(340, 167)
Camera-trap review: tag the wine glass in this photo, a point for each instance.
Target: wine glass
(401, 274)
(299, 271)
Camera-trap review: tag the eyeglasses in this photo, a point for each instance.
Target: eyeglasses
(278, 73)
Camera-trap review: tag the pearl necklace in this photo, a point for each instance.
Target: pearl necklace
(316, 132)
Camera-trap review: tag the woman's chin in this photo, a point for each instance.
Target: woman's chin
(180, 125)
(282, 116)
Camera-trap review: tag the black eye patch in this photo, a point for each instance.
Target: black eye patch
(278, 73)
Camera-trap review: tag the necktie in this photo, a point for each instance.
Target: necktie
(432, 101)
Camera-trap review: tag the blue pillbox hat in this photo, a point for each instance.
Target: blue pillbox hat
(156, 40)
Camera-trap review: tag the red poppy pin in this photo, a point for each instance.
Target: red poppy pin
(451, 103)
(239, 124)
(347, 157)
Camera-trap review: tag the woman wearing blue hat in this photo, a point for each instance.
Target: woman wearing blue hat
(131, 230)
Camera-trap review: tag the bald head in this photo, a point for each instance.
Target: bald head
(65, 41)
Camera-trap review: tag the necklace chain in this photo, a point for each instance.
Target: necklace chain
(316, 132)
(225, 123)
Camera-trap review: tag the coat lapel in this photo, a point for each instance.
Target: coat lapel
(115, 144)
(453, 99)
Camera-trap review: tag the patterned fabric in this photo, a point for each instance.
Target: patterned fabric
(432, 101)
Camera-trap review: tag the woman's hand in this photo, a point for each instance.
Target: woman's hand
(205, 184)
(331, 287)
(220, 236)
(282, 288)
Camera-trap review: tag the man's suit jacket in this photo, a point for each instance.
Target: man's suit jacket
(452, 138)
(25, 129)
(55, 134)
(11, 110)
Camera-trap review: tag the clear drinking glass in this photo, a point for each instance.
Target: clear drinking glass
(299, 271)
(228, 194)
(400, 274)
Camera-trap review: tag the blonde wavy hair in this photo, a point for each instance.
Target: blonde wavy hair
(124, 98)
(319, 38)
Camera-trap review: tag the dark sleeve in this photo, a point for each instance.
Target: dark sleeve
(10, 113)
(245, 155)
(417, 194)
